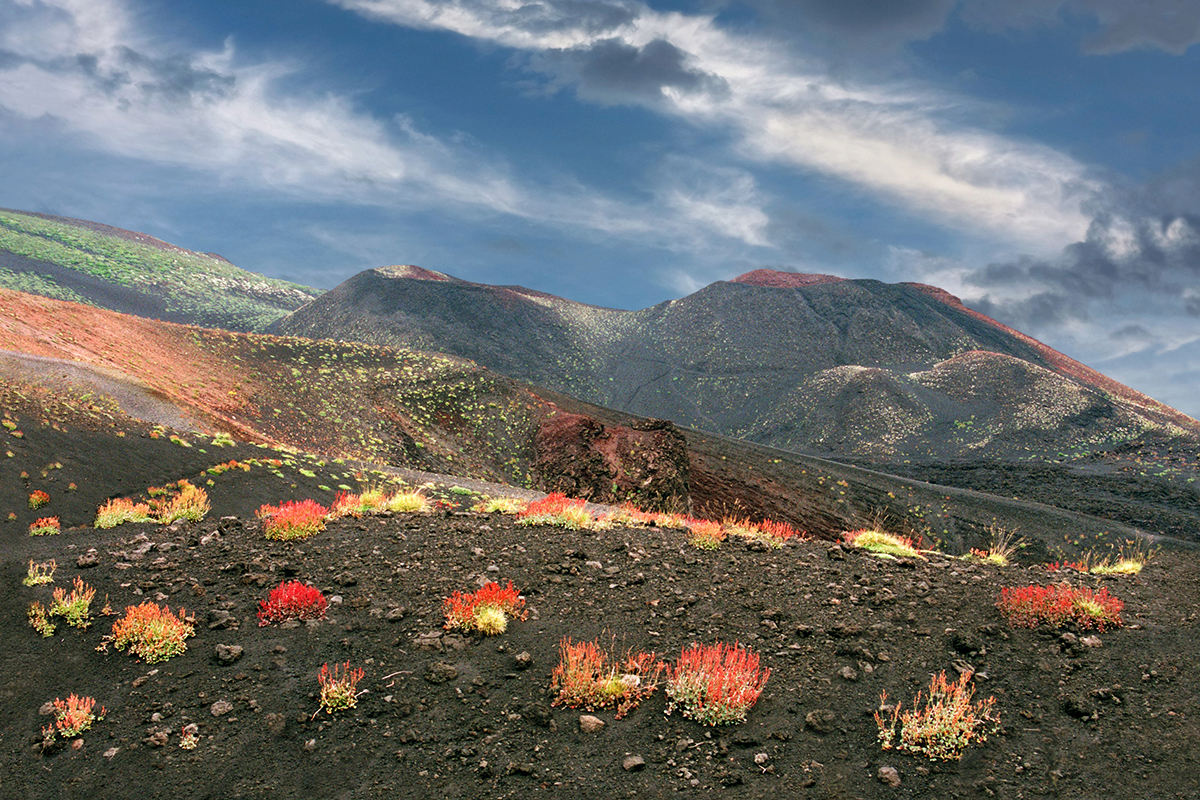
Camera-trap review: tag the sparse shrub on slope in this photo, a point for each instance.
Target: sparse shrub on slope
(292, 519)
(715, 684)
(944, 725)
(152, 633)
(486, 610)
(590, 678)
(556, 509)
(1030, 606)
(291, 600)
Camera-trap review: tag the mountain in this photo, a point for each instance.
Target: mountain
(107, 267)
(83, 367)
(801, 362)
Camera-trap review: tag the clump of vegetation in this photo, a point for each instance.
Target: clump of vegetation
(486, 610)
(120, 510)
(1030, 606)
(886, 545)
(1004, 545)
(705, 534)
(1129, 560)
(339, 687)
(40, 572)
(187, 503)
(556, 509)
(499, 505)
(72, 717)
(40, 619)
(292, 519)
(942, 727)
(37, 499)
(45, 526)
(408, 502)
(715, 684)
(591, 678)
(152, 633)
(74, 606)
(291, 600)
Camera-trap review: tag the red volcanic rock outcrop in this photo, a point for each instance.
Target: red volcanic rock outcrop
(646, 464)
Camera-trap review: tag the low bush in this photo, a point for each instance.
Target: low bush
(590, 678)
(887, 545)
(37, 499)
(45, 526)
(339, 686)
(75, 606)
(944, 725)
(1030, 606)
(715, 684)
(40, 572)
(291, 600)
(40, 619)
(74, 715)
(292, 519)
(152, 633)
(189, 503)
(413, 502)
(486, 610)
(705, 534)
(499, 505)
(120, 510)
(556, 509)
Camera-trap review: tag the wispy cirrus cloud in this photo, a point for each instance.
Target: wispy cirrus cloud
(902, 143)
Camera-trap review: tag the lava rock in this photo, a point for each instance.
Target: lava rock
(590, 724)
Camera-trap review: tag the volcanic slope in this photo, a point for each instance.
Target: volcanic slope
(801, 362)
(440, 414)
(107, 267)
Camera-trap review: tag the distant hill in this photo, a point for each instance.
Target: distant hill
(107, 267)
(802, 362)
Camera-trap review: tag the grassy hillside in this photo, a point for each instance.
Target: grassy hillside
(130, 272)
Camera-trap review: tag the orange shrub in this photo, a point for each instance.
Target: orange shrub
(38, 499)
(153, 633)
(590, 678)
(944, 726)
(292, 519)
(46, 526)
(486, 610)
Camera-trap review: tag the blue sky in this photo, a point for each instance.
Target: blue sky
(1038, 158)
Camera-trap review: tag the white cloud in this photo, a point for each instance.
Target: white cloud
(895, 141)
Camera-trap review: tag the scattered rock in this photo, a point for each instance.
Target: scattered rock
(89, 559)
(227, 653)
(346, 579)
(276, 723)
(431, 640)
(157, 737)
(633, 764)
(441, 672)
(1079, 708)
(523, 660)
(590, 724)
(539, 714)
(1091, 641)
(836, 553)
(221, 708)
(396, 614)
(889, 776)
(821, 720)
(848, 674)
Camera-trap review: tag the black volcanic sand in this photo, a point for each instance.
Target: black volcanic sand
(454, 716)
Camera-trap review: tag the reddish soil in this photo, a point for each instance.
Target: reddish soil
(445, 715)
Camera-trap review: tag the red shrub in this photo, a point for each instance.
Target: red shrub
(462, 610)
(292, 519)
(1030, 606)
(778, 530)
(715, 684)
(291, 600)
(37, 499)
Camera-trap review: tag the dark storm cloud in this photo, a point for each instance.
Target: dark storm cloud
(175, 78)
(859, 22)
(613, 71)
(1154, 262)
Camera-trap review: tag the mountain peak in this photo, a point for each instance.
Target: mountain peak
(776, 279)
(416, 273)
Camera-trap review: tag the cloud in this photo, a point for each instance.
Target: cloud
(1170, 25)
(860, 24)
(903, 143)
(612, 71)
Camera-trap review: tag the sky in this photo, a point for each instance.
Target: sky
(1039, 159)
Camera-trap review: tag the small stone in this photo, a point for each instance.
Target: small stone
(441, 672)
(310, 745)
(848, 674)
(523, 660)
(220, 708)
(761, 758)
(890, 776)
(276, 723)
(590, 724)
(111, 752)
(157, 737)
(227, 653)
(835, 553)
(633, 764)
(821, 720)
(89, 559)
(1091, 641)
(395, 614)
(346, 579)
